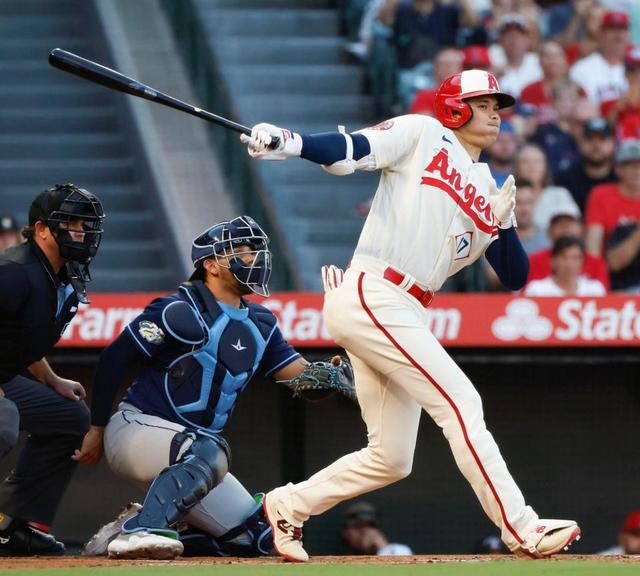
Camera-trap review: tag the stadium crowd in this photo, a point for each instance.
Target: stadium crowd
(573, 139)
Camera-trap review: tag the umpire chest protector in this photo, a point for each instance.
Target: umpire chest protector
(36, 307)
(202, 381)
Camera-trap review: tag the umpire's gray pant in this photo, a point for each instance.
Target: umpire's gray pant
(9, 426)
(56, 427)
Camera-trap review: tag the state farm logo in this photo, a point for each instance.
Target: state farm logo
(574, 320)
(298, 324)
(99, 324)
(522, 320)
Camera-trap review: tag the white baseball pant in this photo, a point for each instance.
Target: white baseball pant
(400, 368)
(138, 447)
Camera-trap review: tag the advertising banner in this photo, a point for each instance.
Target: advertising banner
(464, 320)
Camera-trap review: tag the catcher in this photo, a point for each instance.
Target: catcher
(193, 352)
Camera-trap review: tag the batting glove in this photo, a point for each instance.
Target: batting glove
(289, 143)
(332, 277)
(503, 203)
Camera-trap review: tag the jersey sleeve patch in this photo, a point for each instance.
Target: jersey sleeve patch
(382, 126)
(148, 329)
(151, 332)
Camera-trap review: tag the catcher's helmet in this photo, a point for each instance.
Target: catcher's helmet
(452, 93)
(63, 204)
(222, 240)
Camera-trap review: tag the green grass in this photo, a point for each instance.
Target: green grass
(498, 568)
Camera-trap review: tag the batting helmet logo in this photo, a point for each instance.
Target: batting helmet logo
(450, 106)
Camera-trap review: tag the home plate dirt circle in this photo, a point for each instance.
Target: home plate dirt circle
(89, 562)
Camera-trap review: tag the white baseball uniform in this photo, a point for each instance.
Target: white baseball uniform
(430, 217)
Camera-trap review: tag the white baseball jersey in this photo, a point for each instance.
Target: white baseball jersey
(430, 216)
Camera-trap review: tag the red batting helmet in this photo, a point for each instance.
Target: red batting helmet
(453, 92)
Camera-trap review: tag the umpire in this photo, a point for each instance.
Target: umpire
(41, 283)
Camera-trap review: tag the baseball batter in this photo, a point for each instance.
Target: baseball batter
(436, 211)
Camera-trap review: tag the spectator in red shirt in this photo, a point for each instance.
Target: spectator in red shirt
(565, 222)
(447, 63)
(567, 273)
(553, 62)
(610, 205)
(625, 112)
(613, 219)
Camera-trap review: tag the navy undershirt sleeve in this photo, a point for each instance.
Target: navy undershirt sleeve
(115, 362)
(330, 147)
(508, 258)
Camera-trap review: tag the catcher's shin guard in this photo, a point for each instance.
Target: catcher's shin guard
(181, 486)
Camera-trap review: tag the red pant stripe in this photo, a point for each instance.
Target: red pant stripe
(446, 397)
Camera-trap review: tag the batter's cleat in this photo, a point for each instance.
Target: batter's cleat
(20, 539)
(148, 544)
(549, 537)
(97, 546)
(287, 538)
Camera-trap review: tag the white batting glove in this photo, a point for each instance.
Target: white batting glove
(290, 143)
(503, 203)
(332, 277)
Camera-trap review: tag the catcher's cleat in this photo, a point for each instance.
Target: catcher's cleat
(287, 538)
(97, 545)
(152, 545)
(549, 537)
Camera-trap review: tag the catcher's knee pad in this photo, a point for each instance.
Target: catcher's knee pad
(181, 486)
(251, 538)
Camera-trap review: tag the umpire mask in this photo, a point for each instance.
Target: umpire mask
(61, 208)
(251, 268)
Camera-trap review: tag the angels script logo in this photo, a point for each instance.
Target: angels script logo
(449, 179)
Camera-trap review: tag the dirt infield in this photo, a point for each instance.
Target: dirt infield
(102, 562)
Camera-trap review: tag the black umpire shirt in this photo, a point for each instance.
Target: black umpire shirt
(35, 306)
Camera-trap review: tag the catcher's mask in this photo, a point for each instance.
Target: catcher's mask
(60, 207)
(223, 240)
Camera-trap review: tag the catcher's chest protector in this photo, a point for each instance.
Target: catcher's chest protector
(197, 384)
(203, 384)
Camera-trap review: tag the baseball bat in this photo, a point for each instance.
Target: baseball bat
(113, 79)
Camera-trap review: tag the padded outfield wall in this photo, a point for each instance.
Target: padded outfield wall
(566, 419)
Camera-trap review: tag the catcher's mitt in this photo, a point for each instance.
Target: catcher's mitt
(320, 380)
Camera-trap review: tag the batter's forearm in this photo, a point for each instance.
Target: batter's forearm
(330, 147)
(509, 259)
